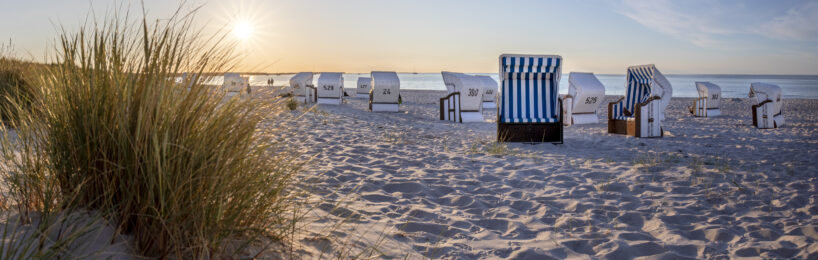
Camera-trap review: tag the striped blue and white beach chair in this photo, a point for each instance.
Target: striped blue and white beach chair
(464, 102)
(767, 110)
(530, 107)
(641, 111)
(707, 104)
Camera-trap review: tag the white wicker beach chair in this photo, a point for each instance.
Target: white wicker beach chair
(585, 93)
(303, 89)
(530, 106)
(707, 105)
(385, 93)
(465, 102)
(489, 92)
(363, 87)
(234, 84)
(330, 88)
(767, 110)
(641, 111)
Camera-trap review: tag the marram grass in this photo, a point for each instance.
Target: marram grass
(182, 171)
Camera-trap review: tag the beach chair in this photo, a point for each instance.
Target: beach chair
(234, 84)
(465, 101)
(385, 93)
(330, 88)
(529, 101)
(363, 87)
(585, 93)
(489, 92)
(768, 105)
(303, 90)
(707, 104)
(641, 111)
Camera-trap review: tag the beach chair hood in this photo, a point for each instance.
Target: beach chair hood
(234, 82)
(471, 91)
(299, 82)
(765, 91)
(586, 84)
(330, 85)
(710, 91)
(449, 79)
(363, 85)
(529, 88)
(385, 87)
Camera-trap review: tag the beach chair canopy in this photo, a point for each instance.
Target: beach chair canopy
(471, 91)
(300, 81)
(489, 88)
(710, 91)
(766, 91)
(363, 85)
(449, 80)
(330, 85)
(582, 85)
(643, 82)
(530, 85)
(385, 87)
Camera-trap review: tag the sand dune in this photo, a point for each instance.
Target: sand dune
(419, 187)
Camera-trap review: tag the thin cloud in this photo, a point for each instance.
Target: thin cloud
(714, 24)
(663, 16)
(800, 23)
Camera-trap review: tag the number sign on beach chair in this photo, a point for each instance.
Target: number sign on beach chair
(489, 92)
(768, 105)
(530, 107)
(707, 104)
(363, 87)
(641, 111)
(465, 101)
(585, 93)
(330, 88)
(385, 93)
(303, 90)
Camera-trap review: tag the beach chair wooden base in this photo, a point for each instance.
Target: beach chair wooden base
(530, 132)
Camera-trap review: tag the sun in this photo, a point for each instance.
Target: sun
(243, 30)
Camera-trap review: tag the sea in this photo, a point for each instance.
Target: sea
(732, 86)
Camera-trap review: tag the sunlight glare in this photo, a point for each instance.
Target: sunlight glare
(243, 30)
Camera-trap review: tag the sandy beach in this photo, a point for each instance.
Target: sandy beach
(413, 186)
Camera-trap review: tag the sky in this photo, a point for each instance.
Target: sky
(601, 36)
